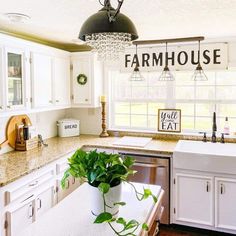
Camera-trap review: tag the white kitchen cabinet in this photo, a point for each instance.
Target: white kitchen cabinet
(20, 217)
(1, 81)
(194, 198)
(41, 71)
(225, 215)
(45, 200)
(61, 81)
(86, 94)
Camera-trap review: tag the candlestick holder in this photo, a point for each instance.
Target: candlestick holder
(104, 127)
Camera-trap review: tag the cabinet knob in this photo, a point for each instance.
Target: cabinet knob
(57, 100)
(50, 101)
(86, 99)
(9, 107)
(1, 107)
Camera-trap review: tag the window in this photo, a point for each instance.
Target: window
(134, 105)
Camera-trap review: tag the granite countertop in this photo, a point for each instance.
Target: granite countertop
(15, 164)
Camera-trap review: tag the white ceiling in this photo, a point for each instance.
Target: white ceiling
(60, 20)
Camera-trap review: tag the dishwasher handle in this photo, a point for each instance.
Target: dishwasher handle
(150, 165)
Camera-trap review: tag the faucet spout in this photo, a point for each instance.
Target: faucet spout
(214, 128)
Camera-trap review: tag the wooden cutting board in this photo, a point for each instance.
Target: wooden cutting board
(11, 129)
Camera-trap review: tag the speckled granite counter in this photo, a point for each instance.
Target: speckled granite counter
(15, 164)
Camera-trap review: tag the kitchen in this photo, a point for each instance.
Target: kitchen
(174, 81)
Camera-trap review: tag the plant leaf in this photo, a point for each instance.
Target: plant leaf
(103, 217)
(120, 203)
(104, 187)
(145, 227)
(147, 193)
(128, 161)
(131, 224)
(154, 198)
(65, 177)
(121, 220)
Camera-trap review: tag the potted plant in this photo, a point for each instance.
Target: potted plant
(105, 173)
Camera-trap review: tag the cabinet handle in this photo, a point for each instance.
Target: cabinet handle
(31, 211)
(86, 99)
(73, 180)
(1, 107)
(40, 203)
(9, 107)
(57, 100)
(222, 189)
(33, 184)
(208, 187)
(68, 184)
(50, 101)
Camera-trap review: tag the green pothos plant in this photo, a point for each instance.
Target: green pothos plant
(104, 171)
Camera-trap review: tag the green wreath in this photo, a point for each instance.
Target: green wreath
(82, 79)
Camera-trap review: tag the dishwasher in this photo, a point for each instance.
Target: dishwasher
(153, 170)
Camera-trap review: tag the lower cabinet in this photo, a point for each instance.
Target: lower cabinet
(205, 201)
(194, 199)
(225, 206)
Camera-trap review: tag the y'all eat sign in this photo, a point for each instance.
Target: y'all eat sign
(169, 120)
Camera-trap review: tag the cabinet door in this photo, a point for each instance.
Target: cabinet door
(194, 199)
(44, 201)
(42, 80)
(15, 78)
(61, 81)
(19, 218)
(82, 92)
(225, 216)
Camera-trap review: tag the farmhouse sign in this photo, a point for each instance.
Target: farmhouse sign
(169, 120)
(213, 56)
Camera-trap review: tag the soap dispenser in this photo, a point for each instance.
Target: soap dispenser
(226, 126)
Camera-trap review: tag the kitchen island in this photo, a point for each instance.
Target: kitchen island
(72, 216)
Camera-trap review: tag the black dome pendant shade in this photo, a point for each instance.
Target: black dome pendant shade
(100, 23)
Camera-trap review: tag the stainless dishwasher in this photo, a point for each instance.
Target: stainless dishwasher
(153, 170)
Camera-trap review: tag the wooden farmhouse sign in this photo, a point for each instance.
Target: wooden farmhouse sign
(169, 120)
(213, 56)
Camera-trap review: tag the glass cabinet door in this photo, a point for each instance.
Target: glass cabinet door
(14, 79)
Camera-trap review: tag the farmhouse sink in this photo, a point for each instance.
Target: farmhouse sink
(200, 156)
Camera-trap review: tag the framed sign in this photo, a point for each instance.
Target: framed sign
(169, 120)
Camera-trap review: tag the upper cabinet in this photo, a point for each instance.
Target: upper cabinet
(86, 80)
(50, 80)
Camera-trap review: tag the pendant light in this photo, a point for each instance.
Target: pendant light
(108, 31)
(136, 74)
(166, 74)
(199, 74)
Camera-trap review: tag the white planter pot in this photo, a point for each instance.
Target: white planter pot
(113, 196)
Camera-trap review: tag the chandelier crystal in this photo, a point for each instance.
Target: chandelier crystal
(108, 45)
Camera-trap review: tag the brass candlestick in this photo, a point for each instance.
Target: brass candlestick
(104, 127)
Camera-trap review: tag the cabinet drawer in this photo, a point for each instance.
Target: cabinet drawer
(34, 181)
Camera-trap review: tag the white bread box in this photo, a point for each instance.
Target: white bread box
(68, 127)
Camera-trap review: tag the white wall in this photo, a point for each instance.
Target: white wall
(45, 123)
(90, 119)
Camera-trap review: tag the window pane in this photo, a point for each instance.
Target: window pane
(138, 108)
(184, 78)
(205, 109)
(152, 122)
(153, 108)
(226, 78)
(187, 123)
(157, 92)
(187, 109)
(203, 124)
(122, 107)
(227, 110)
(205, 92)
(139, 92)
(122, 120)
(210, 79)
(138, 121)
(184, 92)
(226, 92)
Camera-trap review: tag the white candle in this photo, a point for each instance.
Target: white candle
(103, 98)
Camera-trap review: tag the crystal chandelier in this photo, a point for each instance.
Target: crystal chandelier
(108, 31)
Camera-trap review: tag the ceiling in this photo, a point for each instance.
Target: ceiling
(60, 20)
